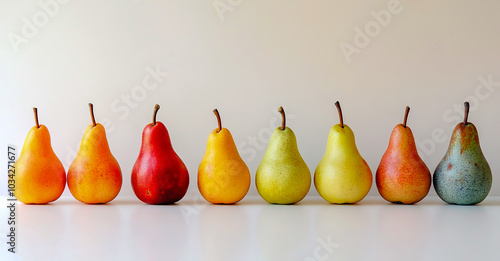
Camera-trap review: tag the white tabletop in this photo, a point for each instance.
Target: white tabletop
(127, 229)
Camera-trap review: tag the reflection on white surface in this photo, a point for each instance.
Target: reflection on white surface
(128, 229)
(403, 231)
(42, 231)
(349, 226)
(469, 231)
(90, 224)
(157, 232)
(223, 232)
(283, 232)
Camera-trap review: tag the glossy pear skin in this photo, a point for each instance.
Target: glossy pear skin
(159, 176)
(342, 175)
(40, 177)
(283, 177)
(402, 176)
(463, 176)
(223, 177)
(94, 176)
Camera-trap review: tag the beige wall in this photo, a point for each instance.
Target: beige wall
(247, 58)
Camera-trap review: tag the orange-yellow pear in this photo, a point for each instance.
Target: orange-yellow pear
(39, 175)
(223, 177)
(94, 176)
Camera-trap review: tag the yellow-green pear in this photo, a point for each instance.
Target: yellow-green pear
(283, 177)
(342, 175)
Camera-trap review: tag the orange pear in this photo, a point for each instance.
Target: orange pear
(39, 175)
(94, 175)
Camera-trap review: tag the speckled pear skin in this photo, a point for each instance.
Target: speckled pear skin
(283, 177)
(463, 176)
(402, 176)
(342, 176)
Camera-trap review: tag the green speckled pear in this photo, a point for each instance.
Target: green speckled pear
(283, 177)
(463, 176)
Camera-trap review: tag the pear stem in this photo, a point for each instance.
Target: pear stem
(92, 114)
(406, 116)
(219, 122)
(157, 107)
(337, 104)
(35, 111)
(283, 118)
(466, 115)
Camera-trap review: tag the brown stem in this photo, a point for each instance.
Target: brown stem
(35, 111)
(406, 116)
(340, 114)
(466, 104)
(92, 114)
(157, 107)
(283, 119)
(219, 122)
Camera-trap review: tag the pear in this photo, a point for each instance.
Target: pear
(223, 177)
(463, 176)
(94, 176)
(342, 176)
(159, 176)
(402, 176)
(283, 177)
(39, 175)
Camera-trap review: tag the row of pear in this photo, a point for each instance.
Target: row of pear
(159, 176)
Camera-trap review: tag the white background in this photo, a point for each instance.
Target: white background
(247, 62)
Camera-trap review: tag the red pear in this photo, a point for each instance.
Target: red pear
(159, 176)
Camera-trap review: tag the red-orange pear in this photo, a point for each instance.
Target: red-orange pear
(402, 176)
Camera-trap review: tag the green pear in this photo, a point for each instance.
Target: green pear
(342, 176)
(463, 176)
(283, 177)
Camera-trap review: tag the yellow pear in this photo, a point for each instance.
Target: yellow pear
(39, 175)
(94, 175)
(223, 177)
(342, 176)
